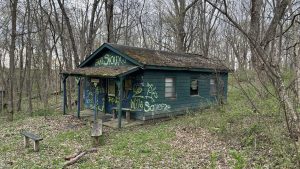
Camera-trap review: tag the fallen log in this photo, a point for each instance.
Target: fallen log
(75, 157)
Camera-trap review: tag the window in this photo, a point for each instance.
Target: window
(111, 87)
(170, 87)
(213, 87)
(194, 87)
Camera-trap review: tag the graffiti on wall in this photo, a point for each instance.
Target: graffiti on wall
(151, 93)
(90, 92)
(147, 102)
(156, 107)
(143, 98)
(113, 100)
(110, 60)
(100, 107)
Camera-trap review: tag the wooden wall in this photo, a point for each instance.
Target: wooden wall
(154, 83)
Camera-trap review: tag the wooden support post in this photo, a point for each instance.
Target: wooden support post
(95, 105)
(78, 99)
(26, 142)
(120, 88)
(64, 94)
(36, 146)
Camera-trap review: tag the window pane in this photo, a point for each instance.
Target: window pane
(213, 87)
(194, 84)
(170, 87)
(169, 84)
(168, 94)
(169, 80)
(169, 90)
(194, 87)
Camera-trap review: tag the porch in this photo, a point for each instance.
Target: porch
(108, 119)
(107, 94)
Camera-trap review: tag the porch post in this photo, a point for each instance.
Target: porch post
(95, 103)
(78, 98)
(120, 88)
(64, 94)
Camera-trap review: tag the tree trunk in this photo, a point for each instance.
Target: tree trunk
(91, 36)
(256, 8)
(70, 30)
(12, 47)
(109, 8)
(28, 58)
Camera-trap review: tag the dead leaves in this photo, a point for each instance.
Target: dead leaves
(197, 146)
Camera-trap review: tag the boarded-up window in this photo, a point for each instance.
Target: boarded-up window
(213, 87)
(170, 87)
(111, 87)
(194, 90)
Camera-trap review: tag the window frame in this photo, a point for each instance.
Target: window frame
(173, 94)
(213, 93)
(198, 92)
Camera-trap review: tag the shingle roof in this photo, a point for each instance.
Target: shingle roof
(170, 59)
(101, 71)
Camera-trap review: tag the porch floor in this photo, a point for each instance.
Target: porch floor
(110, 122)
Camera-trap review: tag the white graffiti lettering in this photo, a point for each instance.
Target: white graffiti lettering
(151, 92)
(110, 60)
(156, 107)
(137, 103)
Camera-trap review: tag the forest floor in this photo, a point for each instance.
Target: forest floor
(229, 136)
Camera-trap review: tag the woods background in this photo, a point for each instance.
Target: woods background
(259, 39)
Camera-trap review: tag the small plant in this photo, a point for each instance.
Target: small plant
(213, 160)
(251, 135)
(239, 161)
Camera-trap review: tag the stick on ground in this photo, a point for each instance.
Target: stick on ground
(75, 157)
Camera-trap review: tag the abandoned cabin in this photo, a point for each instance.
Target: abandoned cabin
(148, 83)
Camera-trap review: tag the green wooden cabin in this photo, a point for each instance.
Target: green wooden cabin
(147, 83)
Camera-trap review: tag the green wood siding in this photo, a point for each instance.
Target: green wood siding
(183, 100)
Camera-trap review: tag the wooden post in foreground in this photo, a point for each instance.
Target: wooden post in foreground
(64, 94)
(78, 99)
(120, 88)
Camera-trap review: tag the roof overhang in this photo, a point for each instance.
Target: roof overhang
(105, 72)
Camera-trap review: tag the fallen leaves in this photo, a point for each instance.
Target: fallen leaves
(197, 145)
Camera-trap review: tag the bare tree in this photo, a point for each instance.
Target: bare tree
(273, 73)
(70, 30)
(178, 17)
(13, 10)
(109, 12)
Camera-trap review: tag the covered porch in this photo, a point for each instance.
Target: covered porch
(106, 94)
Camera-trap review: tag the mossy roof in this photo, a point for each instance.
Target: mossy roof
(101, 71)
(169, 59)
(145, 59)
